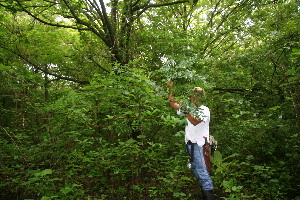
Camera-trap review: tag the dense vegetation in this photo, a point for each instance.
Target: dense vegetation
(83, 97)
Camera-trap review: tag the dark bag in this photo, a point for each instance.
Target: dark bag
(208, 149)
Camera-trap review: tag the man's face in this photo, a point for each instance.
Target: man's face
(195, 97)
(196, 94)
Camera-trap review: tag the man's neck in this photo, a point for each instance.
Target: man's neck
(198, 104)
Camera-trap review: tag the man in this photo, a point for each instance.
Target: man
(195, 132)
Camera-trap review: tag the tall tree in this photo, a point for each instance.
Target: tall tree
(112, 22)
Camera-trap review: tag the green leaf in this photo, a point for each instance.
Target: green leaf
(4, 67)
(44, 172)
(66, 190)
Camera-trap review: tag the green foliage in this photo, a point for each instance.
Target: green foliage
(239, 178)
(77, 124)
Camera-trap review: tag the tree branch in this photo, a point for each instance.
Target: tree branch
(48, 23)
(159, 5)
(43, 70)
(111, 32)
(96, 63)
(235, 90)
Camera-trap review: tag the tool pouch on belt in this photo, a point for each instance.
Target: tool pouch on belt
(206, 154)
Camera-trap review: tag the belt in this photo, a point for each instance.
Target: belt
(190, 142)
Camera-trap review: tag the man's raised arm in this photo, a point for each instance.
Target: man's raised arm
(171, 97)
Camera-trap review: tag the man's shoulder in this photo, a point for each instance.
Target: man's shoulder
(203, 107)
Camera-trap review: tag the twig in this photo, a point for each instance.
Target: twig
(22, 153)
(10, 137)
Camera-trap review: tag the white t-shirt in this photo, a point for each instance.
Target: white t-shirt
(196, 133)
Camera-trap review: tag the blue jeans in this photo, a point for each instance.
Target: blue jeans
(199, 168)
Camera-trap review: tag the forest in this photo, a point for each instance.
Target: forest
(84, 110)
